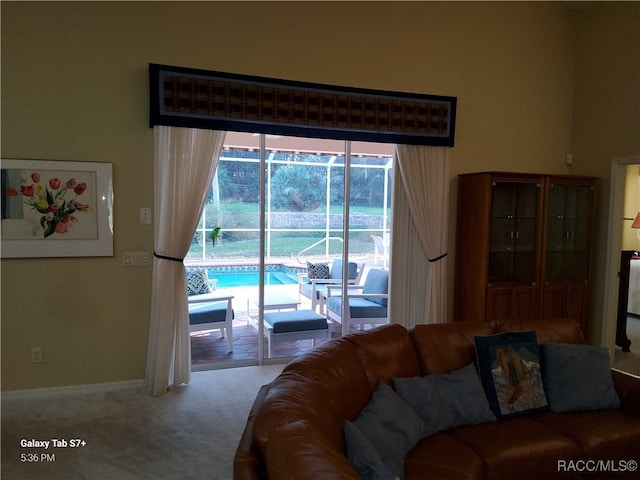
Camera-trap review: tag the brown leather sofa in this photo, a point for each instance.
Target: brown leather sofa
(295, 428)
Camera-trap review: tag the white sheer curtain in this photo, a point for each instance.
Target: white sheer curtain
(184, 163)
(419, 247)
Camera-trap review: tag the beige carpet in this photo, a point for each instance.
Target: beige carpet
(189, 433)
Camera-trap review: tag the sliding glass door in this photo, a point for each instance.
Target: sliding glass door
(277, 205)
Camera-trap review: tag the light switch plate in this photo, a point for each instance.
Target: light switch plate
(136, 259)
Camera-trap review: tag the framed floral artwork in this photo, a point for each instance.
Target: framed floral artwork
(56, 209)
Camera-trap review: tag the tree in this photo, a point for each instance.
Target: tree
(298, 187)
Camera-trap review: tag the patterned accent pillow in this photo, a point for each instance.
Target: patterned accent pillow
(509, 365)
(318, 270)
(197, 281)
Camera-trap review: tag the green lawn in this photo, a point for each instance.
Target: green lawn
(245, 244)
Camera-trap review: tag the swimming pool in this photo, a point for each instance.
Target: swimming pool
(247, 276)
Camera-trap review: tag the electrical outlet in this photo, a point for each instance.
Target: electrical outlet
(36, 355)
(145, 216)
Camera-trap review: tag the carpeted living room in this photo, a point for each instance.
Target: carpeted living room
(540, 88)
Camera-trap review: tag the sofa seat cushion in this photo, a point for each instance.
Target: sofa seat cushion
(359, 307)
(442, 456)
(518, 447)
(604, 434)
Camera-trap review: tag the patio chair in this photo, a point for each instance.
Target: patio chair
(207, 310)
(381, 250)
(367, 303)
(314, 282)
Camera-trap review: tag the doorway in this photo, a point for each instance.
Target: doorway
(620, 238)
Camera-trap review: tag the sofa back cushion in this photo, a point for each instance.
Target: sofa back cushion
(298, 450)
(386, 352)
(559, 330)
(444, 347)
(326, 386)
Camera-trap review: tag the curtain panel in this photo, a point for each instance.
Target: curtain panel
(184, 163)
(420, 226)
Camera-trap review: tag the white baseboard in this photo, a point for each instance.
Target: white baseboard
(71, 390)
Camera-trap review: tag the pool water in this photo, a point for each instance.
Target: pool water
(250, 279)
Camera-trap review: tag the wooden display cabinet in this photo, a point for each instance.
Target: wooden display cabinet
(523, 246)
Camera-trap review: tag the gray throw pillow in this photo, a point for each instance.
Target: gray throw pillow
(577, 377)
(363, 455)
(446, 400)
(391, 426)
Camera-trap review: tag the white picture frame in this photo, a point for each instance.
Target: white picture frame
(56, 209)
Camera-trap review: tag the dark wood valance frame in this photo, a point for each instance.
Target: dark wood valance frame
(188, 97)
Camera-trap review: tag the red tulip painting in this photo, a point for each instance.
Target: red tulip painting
(51, 208)
(58, 202)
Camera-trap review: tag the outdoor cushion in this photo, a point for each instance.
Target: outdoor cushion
(359, 307)
(318, 270)
(208, 312)
(307, 290)
(197, 281)
(295, 321)
(336, 269)
(377, 282)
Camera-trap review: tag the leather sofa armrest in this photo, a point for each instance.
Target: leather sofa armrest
(628, 388)
(297, 450)
(247, 464)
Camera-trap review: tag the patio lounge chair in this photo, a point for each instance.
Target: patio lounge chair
(311, 287)
(207, 310)
(381, 251)
(367, 303)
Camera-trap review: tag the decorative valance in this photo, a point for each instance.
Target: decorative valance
(187, 97)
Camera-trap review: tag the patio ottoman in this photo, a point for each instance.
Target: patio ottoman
(294, 325)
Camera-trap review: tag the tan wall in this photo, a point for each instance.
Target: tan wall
(74, 87)
(606, 122)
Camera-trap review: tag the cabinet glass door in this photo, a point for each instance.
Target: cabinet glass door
(514, 211)
(567, 252)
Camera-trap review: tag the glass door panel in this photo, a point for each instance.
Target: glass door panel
(514, 210)
(525, 236)
(502, 239)
(298, 216)
(568, 231)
